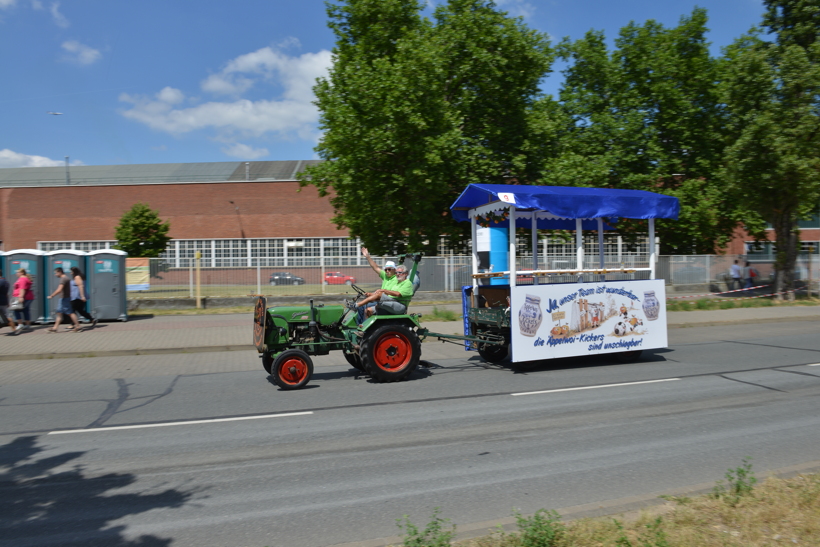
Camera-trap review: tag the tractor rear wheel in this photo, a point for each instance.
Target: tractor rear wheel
(355, 361)
(292, 369)
(391, 352)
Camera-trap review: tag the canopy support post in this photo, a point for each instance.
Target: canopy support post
(652, 253)
(579, 248)
(475, 257)
(601, 263)
(535, 246)
(511, 255)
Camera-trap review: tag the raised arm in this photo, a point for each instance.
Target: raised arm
(370, 261)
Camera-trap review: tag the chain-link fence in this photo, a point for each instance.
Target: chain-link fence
(443, 273)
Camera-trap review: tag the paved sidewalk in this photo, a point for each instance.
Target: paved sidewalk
(207, 333)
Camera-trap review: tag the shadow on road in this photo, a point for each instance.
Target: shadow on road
(43, 505)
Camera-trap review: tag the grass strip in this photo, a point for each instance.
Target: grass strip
(738, 514)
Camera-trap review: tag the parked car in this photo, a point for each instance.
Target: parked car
(285, 278)
(338, 278)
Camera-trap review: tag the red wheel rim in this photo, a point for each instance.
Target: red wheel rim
(293, 371)
(392, 352)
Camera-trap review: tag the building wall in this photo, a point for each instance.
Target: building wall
(738, 244)
(195, 211)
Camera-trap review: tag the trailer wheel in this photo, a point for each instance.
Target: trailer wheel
(292, 369)
(493, 353)
(267, 362)
(628, 356)
(355, 361)
(391, 353)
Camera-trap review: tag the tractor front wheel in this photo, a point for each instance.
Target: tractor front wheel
(267, 362)
(292, 369)
(391, 352)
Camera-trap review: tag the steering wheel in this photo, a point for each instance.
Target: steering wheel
(358, 290)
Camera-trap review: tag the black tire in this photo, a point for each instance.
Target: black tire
(273, 282)
(390, 352)
(325, 282)
(355, 361)
(348, 282)
(628, 356)
(292, 369)
(295, 281)
(267, 362)
(493, 353)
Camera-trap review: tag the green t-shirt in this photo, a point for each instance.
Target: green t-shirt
(405, 288)
(388, 284)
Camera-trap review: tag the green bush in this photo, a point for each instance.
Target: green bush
(543, 529)
(434, 535)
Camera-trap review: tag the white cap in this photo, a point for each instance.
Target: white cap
(389, 264)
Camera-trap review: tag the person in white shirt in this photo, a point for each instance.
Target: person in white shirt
(737, 275)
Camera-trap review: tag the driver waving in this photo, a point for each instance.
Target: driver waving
(394, 295)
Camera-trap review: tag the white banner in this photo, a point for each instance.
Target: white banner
(566, 320)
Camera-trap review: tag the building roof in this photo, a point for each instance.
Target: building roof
(154, 173)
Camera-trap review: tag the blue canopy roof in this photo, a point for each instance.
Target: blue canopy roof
(568, 203)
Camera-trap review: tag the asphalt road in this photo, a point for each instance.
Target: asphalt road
(98, 459)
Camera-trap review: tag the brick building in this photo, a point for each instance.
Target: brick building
(233, 212)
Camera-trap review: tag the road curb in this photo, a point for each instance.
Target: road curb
(124, 352)
(246, 347)
(745, 322)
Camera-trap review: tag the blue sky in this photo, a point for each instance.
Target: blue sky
(196, 81)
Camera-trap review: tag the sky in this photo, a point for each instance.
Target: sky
(156, 81)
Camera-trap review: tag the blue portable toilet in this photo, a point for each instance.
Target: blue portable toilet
(31, 260)
(61, 258)
(105, 277)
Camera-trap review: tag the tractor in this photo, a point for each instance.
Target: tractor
(385, 347)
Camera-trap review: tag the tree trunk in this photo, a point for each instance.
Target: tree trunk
(786, 238)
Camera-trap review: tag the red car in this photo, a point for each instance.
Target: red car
(338, 278)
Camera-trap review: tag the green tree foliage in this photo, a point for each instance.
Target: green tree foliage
(772, 92)
(141, 233)
(647, 116)
(414, 110)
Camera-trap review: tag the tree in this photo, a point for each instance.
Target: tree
(772, 92)
(141, 233)
(415, 110)
(647, 116)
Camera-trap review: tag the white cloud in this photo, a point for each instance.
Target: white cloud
(59, 18)
(36, 4)
(81, 53)
(244, 152)
(9, 158)
(517, 8)
(6, 4)
(290, 115)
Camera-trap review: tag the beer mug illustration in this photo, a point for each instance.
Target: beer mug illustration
(530, 316)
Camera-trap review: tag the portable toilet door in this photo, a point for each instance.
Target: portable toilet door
(106, 285)
(61, 258)
(30, 260)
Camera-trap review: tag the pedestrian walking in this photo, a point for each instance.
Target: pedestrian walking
(64, 310)
(23, 290)
(79, 297)
(750, 275)
(737, 275)
(6, 319)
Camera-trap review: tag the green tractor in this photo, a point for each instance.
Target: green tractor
(387, 347)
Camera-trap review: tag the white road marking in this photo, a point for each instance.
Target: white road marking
(594, 387)
(168, 424)
(814, 365)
